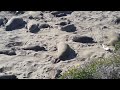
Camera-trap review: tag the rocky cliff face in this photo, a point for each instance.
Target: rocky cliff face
(44, 44)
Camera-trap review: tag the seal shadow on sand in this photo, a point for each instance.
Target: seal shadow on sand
(70, 55)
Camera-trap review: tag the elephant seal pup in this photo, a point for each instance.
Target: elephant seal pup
(63, 52)
(114, 37)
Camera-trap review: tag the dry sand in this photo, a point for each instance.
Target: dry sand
(29, 64)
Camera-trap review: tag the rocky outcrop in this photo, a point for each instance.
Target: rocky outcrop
(6, 76)
(34, 48)
(33, 26)
(8, 52)
(15, 23)
(69, 28)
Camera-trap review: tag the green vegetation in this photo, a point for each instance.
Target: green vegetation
(117, 46)
(101, 68)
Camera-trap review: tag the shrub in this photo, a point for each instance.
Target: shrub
(102, 68)
(117, 46)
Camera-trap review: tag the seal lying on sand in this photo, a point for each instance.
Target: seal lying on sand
(113, 38)
(64, 52)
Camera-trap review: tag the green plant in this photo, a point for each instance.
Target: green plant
(97, 68)
(117, 45)
(91, 69)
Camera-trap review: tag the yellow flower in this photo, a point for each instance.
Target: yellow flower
(68, 72)
(77, 65)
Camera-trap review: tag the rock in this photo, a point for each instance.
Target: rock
(8, 52)
(4, 76)
(117, 21)
(61, 13)
(33, 26)
(1, 21)
(104, 27)
(34, 48)
(11, 44)
(68, 28)
(35, 18)
(5, 21)
(17, 12)
(83, 39)
(56, 73)
(12, 11)
(113, 38)
(31, 17)
(63, 23)
(44, 25)
(15, 23)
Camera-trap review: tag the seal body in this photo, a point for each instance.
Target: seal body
(114, 37)
(63, 51)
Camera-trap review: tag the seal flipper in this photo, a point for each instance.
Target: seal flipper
(57, 60)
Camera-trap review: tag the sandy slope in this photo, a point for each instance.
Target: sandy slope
(32, 65)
